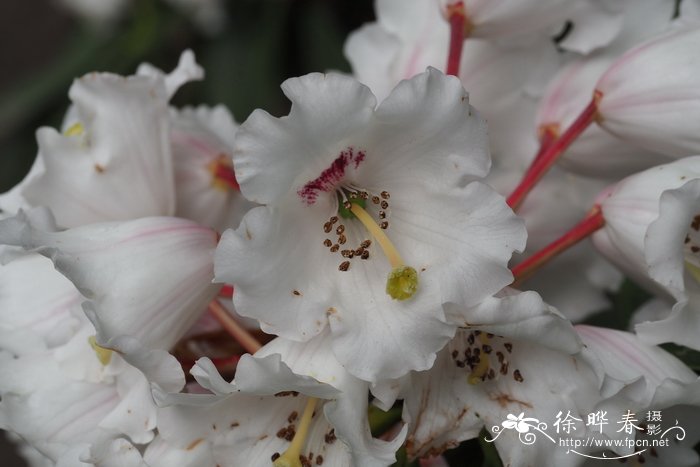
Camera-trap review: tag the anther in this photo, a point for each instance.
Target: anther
(384, 205)
(335, 248)
(327, 243)
(347, 205)
(342, 239)
(334, 219)
(365, 255)
(327, 227)
(384, 225)
(385, 194)
(344, 266)
(382, 215)
(347, 253)
(292, 456)
(340, 229)
(365, 243)
(517, 376)
(375, 199)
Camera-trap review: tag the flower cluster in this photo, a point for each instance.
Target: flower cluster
(177, 289)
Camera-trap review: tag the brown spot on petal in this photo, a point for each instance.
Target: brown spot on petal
(99, 168)
(330, 437)
(504, 399)
(194, 444)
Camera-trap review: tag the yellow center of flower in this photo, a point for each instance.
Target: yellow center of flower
(223, 177)
(291, 457)
(483, 365)
(76, 129)
(402, 281)
(693, 270)
(103, 355)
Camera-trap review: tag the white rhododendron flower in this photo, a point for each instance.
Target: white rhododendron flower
(293, 416)
(36, 301)
(71, 398)
(118, 130)
(596, 152)
(519, 355)
(641, 102)
(333, 283)
(503, 81)
(374, 219)
(650, 379)
(149, 278)
(652, 233)
(205, 184)
(506, 19)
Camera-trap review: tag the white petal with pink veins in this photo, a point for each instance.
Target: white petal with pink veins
(149, 278)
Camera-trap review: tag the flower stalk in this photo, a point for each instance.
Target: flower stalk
(593, 221)
(544, 161)
(231, 326)
(458, 32)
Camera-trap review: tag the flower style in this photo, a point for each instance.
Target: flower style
(374, 218)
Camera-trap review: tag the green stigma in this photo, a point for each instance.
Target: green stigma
(402, 283)
(346, 213)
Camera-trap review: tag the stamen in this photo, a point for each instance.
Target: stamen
(223, 177)
(76, 129)
(291, 457)
(402, 282)
(103, 355)
(693, 270)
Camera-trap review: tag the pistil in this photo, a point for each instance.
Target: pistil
(291, 457)
(482, 367)
(223, 176)
(402, 281)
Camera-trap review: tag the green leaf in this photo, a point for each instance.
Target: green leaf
(380, 421)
